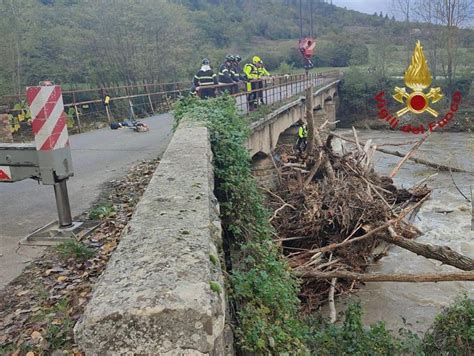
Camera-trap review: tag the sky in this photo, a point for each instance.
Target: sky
(367, 6)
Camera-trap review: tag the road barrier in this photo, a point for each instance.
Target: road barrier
(48, 159)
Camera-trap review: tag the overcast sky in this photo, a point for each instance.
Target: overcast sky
(367, 6)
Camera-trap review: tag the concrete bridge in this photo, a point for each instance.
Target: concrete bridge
(279, 128)
(266, 132)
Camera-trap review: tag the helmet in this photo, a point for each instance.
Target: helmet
(256, 60)
(205, 61)
(238, 58)
(229, 58)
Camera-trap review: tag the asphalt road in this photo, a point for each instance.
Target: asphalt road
(98, 157)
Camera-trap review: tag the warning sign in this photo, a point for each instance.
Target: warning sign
(5, 173)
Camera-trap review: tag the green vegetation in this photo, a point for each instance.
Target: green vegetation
(358, 90)
(102, 211)
(352, 338)
(452, 332)
(214, 260)
(76, 250)
(82, 44)
(261, 284)
(215, 287)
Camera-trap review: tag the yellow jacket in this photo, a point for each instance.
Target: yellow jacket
(251, 71)
(262, 72)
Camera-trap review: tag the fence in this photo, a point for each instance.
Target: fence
(85, 108)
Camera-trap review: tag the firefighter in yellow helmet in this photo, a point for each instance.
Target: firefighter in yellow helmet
(255, 71)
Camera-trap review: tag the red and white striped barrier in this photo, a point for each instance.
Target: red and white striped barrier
(48, 117)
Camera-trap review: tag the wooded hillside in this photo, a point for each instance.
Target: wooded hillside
(105, 42)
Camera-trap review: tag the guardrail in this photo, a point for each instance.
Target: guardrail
(86, 107)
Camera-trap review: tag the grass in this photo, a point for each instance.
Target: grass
(102, 211)
(76, 250)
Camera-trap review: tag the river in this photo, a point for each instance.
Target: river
(445, 219)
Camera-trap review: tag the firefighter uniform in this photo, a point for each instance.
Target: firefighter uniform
(227, 75)
(255, 71)
(204, 79)
(251, 73)
(302, 140)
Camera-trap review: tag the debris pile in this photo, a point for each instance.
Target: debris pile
(332, 212)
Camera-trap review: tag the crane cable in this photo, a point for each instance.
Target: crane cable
(301, 20)
(311, 18)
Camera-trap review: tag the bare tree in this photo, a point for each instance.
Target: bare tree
(453, 14)
(424, 11)
(403, 8)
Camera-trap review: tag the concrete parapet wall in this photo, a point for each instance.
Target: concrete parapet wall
(155, 295)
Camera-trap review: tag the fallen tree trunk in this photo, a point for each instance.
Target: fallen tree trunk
(379, 277)
(440, 253)
(440, 167)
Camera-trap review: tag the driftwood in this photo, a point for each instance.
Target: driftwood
(332, 306)
(317, 136)
(371, 232)
(440, 167)
(310, 118)
(396, 277)
(408, 155)
(440, 253)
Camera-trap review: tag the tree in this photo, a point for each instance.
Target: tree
(424, 11)
(403, 8)
(452, 14)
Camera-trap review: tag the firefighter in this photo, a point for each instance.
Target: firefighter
(262, 72)
(302, 140)
(225, 74)
(251, 75)
(204, 80)
(238, 68)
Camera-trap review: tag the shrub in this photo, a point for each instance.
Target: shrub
(262, 287)
(452, 332)
(352, 338)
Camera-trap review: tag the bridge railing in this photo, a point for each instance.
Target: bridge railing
(86, 108)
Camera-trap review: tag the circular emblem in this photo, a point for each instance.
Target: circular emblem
(417, 102)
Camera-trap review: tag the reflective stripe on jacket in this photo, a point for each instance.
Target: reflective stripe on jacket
(225, 75)
(204, 78)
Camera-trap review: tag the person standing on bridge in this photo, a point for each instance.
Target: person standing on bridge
(262, 72)
(251, 74)
(238, 68)
(255, 71)
(225, 74)
(204, 80)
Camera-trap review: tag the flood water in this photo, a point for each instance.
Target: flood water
(445, 219)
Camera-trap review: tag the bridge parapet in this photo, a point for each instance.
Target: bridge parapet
(162, 292)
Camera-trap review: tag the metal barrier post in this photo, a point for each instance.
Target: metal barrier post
(76, 110)
(62, 203)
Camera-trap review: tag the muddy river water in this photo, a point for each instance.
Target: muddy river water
(445, 219)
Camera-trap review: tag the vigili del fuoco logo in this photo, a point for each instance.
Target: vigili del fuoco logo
(418, 78)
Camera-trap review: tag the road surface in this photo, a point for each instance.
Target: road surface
(98, 157)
